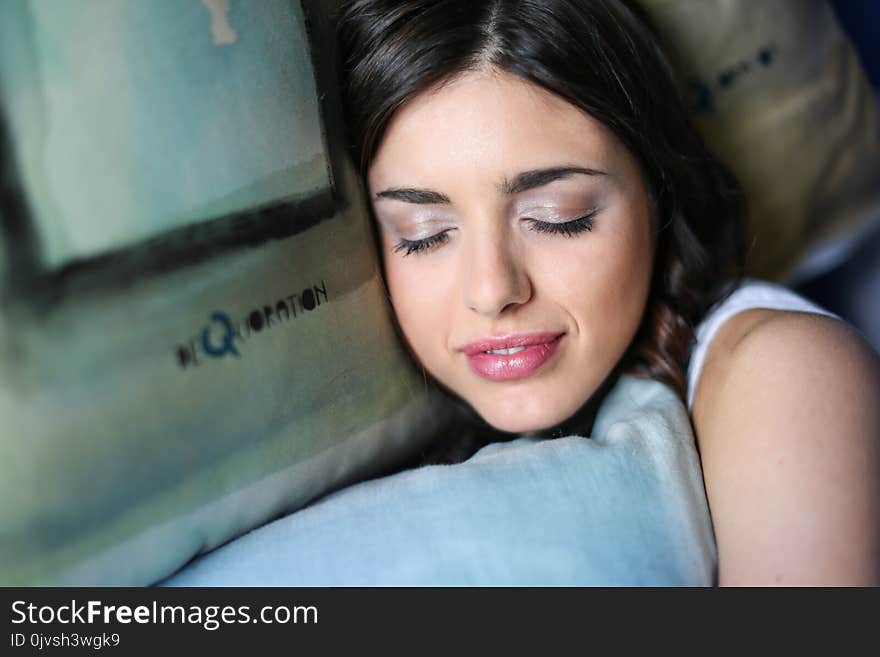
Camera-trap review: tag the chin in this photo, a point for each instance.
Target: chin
(540, 410)
(524, 420)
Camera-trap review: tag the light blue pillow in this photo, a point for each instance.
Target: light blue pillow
(625, 507)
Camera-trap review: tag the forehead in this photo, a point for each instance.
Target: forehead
(488, 122)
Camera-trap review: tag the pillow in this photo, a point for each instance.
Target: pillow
(778, 90)
(624, 507)
(195, 334)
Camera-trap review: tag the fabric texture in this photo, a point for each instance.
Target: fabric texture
(778, 91)
(159, 401)
(624, 507)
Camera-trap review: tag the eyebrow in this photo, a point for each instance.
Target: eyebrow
(539, 177)
(521, 182)
(410, 195)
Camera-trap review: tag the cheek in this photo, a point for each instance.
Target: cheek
(604, 281)
(627, 270)
(421, 302)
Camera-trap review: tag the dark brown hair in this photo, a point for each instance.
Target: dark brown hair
(603, 57)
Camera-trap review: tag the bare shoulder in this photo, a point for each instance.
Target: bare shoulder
(805, 353)
(787, 417)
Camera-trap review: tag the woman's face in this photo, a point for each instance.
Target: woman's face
(517, 243)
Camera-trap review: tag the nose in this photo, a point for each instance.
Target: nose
(495, 276)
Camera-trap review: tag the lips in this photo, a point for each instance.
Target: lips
(512, 357)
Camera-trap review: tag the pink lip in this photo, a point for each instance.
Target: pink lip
(539, 349)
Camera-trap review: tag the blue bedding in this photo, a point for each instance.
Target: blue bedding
(623, 507)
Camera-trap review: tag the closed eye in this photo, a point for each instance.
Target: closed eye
(422, 245)
(567, 228)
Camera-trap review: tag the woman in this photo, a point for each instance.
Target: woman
(549, 219)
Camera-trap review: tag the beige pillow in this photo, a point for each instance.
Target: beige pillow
(779, 92)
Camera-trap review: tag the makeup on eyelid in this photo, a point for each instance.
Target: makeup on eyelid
(552, 215)
(406, 228)
(419, 225)
(564, 227)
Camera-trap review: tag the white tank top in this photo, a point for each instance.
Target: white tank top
(750, 294)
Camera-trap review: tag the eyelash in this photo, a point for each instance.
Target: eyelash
(419, 246)
(566, 229)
